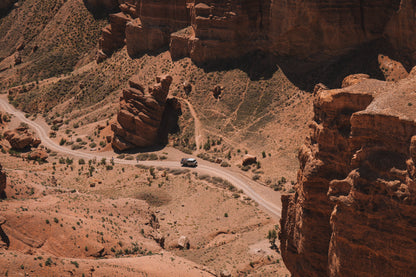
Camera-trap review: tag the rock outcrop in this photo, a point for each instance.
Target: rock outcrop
(21, 138)
(141, 114)
(38, 155)
(144, 26)
(213, 29)
(353, 210)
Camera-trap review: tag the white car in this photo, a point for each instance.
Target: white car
(189, 162)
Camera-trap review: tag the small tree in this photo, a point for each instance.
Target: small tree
(272, 236)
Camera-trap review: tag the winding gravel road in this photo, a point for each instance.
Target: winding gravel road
(250, 188)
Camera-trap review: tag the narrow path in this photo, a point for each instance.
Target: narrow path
(53, 80)
(238, 180)
(197, 123)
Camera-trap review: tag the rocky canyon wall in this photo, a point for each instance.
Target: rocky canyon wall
(353, 210)
(209, 30)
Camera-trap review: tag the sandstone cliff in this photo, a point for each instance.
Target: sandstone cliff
(144, 26)
(353, 210)
(142, 113)
(212, 29)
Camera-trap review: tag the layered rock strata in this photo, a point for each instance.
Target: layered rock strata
(144, 25)
(141, 113)
(353, 210)
(211, 29)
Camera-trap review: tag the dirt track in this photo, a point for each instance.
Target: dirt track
(258, 193)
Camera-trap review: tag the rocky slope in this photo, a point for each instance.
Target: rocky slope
(353, 210)
(212, 29)
(141, 113)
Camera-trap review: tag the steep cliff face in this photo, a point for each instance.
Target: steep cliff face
(141, 113)
(144, 25)
(401, 28)
(230, 29)
(351, 214)
(310, 27)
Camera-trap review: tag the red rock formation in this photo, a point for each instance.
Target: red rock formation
(140, 114)
(38, 155)
(113, 35)
(20, 138)
(230, 29)
(353, 210)
(144, 25)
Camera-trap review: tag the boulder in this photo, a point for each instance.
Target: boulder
(392, 70)
(187, 87)
(20, 138)
(38, 155)
(225, 273)
(356, 184)
(17, 58)
(216, 92)
(354, 79)
(183, 242)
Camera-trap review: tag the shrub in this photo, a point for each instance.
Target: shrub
(62, 141)
(81, 161)
(93, 144)
(48, 262)
(75, 263)
(225, 164)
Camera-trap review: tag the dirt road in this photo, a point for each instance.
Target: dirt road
(258, 193)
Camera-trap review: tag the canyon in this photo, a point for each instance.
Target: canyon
(233, 83)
